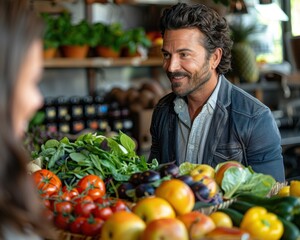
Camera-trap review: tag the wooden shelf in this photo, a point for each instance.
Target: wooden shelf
(102, 62)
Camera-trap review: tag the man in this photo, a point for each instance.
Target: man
(206, 119)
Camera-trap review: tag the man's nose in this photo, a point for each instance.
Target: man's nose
(173, 64)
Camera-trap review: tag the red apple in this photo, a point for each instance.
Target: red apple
(197, 223)
(222, 167)
(165, 228)
(123, 225)
(232, 232)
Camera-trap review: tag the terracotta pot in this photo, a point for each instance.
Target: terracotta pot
(107, 52)
(49, 53)
(75, 51)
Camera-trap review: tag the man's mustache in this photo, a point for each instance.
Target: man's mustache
(177, 74)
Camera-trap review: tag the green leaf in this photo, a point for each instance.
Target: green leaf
(57, 155)
(127, 142)
(77, 157)
(52, 143)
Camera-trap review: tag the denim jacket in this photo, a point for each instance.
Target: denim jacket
(242, 129)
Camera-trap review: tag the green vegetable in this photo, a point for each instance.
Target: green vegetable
(241, 206)
(291, 232)
(236, 181)
(108, 157)
(285, 207)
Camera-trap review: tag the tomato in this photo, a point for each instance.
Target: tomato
(92, 226)
(84, 209)
(103, 202)
(62, 207)
(46, 203)
(75, 226)
(82, 198)
(102, 212)
(62, 221)
(69, 193)
(48, 214)
(47, 182)
(118, 206)
(90, 182)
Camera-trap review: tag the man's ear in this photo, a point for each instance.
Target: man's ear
(216, 58)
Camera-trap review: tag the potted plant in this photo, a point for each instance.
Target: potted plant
(110, 39)
(135, 40)
(50, 36)
(75, 38)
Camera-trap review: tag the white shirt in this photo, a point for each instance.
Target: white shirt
(192, 136)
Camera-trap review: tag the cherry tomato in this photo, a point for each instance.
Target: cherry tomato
(62, 221)
(69, 193)
(47, 182)
(48, 214)
(90, 182)
(102, 212)
(82, 198)
(118, 206)
(103, 202)
(46, 203)
(62, 207)
(84, 209)
(92, 226)
(75, 226)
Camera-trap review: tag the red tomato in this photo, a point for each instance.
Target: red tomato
(62, 221)
(102, 212)
(92, 226)
(69, 193)
(90, 182)
(118, 206)
(84, 209)
(82, 198)
(103, 202)
(47, 203)
(62, 207)
(47, 182)
(48, 214)
(75, 226)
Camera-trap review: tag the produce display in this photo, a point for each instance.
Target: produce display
(97, 187)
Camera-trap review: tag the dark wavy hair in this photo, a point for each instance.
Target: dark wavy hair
(209, 22)
(20, 208)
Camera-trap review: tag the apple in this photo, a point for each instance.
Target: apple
(229, 232)
(123, 225)
(222, 167)
(211, 184)
(165, 228)
(202, 170)
(197, 223)
(178, 194)
(151, 208)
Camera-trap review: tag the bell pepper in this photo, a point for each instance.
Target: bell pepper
(261, 224)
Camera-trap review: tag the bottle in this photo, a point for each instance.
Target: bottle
(77, 116)
(63, 115)
(102, 114)
(90, 113)
(50, 108)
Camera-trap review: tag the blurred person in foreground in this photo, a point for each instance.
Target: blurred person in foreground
(21, 213)
(206, 119)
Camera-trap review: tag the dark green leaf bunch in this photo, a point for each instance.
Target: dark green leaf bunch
(108, 157)
(136, 37)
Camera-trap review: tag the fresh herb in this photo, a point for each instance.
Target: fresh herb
(108, 157)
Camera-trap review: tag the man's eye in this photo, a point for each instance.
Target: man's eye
(183, 54)
(166, 55)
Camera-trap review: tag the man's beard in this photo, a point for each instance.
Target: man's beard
(198, 79)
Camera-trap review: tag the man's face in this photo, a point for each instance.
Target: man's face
(185, 60)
